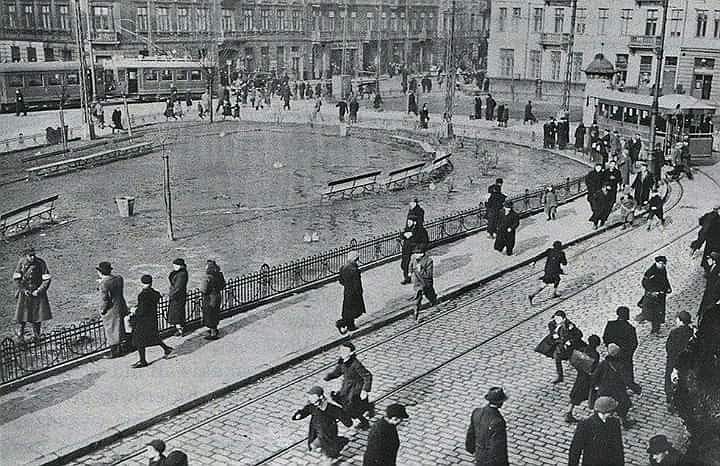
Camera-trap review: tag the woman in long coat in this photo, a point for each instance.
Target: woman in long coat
(353, 303)
(356, 384)
(583, 382)
(609, 380)
(211, 288)
(177, 295)
(493, 206)
(32, 279)
(657, 287)
(113, 307)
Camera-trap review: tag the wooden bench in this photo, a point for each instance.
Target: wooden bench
(89, 161)
(349, 186)
(404, 176)
(20, 218)
(441, 162)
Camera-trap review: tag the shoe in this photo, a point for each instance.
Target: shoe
(405, 281)
(352, 328)
(416, 314)
(139, 364)
(569, 418)
(556, 295)
(530, 298)
(557, 380)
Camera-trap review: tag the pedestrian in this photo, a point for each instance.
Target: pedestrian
(412, 237)
(302, 90)
(99, 114)
(675, 344)
(563, 131)
(625, 166)
(598, 439)
(356, 385)
(383, 441)
(709, 235)
(412, 103)
(201, 109)
(642, 184)
(553, 132)
(177, 296)
(507, 225)
(486, 437)
(145, 326)
(211, 289)
(421, 267)
(657, 286)
(500, 113)
(580, 391)
(529, 117)
(627, 210)
(555, 259)
(601, 206)
(20, 103)
(594, 181)
(609, 380)
(188, 101)
(478, 108)
(711, 294)
(353, 302)
(424, 117)
(635, 146)
(656, 215)
(318, 105)
(565, 337)
(113, 307)
(623, 333)
(323, 432)
(614, 179)
(550, 201)
(505, 116)
(580, 137)
(662, 452)
(176, 458)
(489, 108)
(32, 279)
(116, 120)
(354, 108)
(286, 98)
(615, 144)
(685, 157)
(169, 111)
(416, 211)
(155, 452)
(494, 206)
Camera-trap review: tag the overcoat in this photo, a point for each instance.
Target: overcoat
(593, 181)
(486, 437)
(622, 333)
(32, 276)
(353, 302)
(656, 286)
(489, 108)
(113, 308)
(493, 206)
(323, 427)
(553, 266)
(642, 187)
(211, 288)
(355, 379)
(601, 205)
(711, 295)
(382, 445)
(580, 137)
(419, 214)
(583, 382)
(676, 343)
(709, 234)
(145, 331)
(506, 221)
(177, 296)
(599, 443)
(609, 379)
(566, 332)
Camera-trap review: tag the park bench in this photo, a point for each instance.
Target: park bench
(402, 177)
(20, 218)
(349, 186)
(75, 150)
(89, 161)
(424, 146)
(440, 163)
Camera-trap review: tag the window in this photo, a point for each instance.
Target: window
(31, 54)
(34, 80)
(195, 75)
(163, 19)
(537, 20)
(393, 21)
(507, 63)
(280, 58)
(64, 17)
(386, 25)
(369, 21)
(45, 17)
(502, 18)
(559, 19)
(101, 18)
(227, 20)
(535, 64)
(297, 22)
(53, 79)
(330, 25)
(265, 15)
(675, 23)
(183, 20)
(141, 18)
(201, 18)
(352, 24)
(577, 66)
(625, 22)
(716, 25)
(28, 17)
(580, 21)
(181, 75)
(555, 57)
(705, 63)
(265, 58)
(651, 22)
(15, 54)
(645, 70)
(49, 53)
(166, 75)
(472, 19)
(67, 55)
(16, 80)
(150, 75)
(701, 25)
(516, 14)
(11, 12)
(431, 22)
(281, 24)
(248, 20)
(603, 14)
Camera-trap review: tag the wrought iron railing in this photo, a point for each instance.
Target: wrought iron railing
(20, 359)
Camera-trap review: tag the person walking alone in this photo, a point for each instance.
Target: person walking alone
(356, 385)
(550, 203)
(32, 279)
(383, 441)
(323, 431)
(598, 439)
(211, 289)
(421, 268)
(177, 296)
(508, 223)
(555, 259)
(676, 343)
(486, 437)
(145, 328)
(657, 286)
(113, 307)
(353, 302)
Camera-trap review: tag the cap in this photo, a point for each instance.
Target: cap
(658, 444)
(396, 410)
(316, 391)
(157, 444)
(662, 259)
(176, 458)
(146, 279)
(605, 404)
(104, 268)
(179, 261)
(623, 312)
(496, 395)
(560, 314)
(684, 317)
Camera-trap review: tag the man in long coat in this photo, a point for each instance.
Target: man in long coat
(32, 279)
(494, 206)
(211, 289)
(145, 329)
(177, 295)
(601, 206)
(113, 307)
(508, 223)
(598, 439)
(623, 333)
(489, 108)
(356, 385)
(609, 379)
(711, 295)
(676, 343)
(709, 234)
(594, 181)
(657, 286)
(486, 437)
(413, 236)
(353, 303)
(478, 108)
(642, 184)
(323, 431)
(614, 179)
(383, 441)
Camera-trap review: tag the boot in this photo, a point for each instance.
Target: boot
(569, 418)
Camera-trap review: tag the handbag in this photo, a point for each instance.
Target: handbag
(581, 361)
(546, 346)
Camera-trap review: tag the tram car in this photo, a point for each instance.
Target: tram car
(155, 78)
(42, 84)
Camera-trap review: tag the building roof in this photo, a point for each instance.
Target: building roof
(600, 65)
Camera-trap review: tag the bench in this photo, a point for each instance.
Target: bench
(20, 218)
(438, 163)
(92, 145)
(348, 186)
(89, 161)
(404, 176)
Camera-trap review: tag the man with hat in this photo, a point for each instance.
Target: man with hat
(594, 181)
(416, 211)
(177, 295)
(601, 206)
(353, 302)
(662, 452)
(711, 295)
(487, 435)
(413, 236)
(113, 307)
(675, 344)
(383, 440)
(657, 286)
(155, 452)
(609, 380)
(356, 385)
(421, 267)
(323, 431)
(622, 333)
(32, 279)
(642, 184)
(508, 223)
(494, 206)
(709, 234)
(145, 330)
(598, 439)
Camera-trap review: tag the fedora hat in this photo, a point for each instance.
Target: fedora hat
(658, 444)
(605, 404)
(104, 268)
(496, 395)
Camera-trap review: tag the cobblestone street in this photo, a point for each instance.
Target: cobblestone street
(442, 366)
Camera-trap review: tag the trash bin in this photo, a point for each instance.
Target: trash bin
(343, 130)
(126, 206)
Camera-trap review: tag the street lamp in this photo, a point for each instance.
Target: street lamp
(656, 159)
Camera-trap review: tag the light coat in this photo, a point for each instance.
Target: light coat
(113, 308)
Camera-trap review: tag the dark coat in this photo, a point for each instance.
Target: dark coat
(342, 108)
(676, 343)
(594, 181)
(382, 445)
(634, 147)
(599, 443)
(642, 187)
(177, 295)
(583, 382)
(32, 276)
(419, 238)
(622, 333)
(113, 308)
(478, 108)
(487, 437)
(507, 224)
(553, 265)
(489, 108)
(580, 137)
(711, 295)
(353, 302)
(610, 379)
(601, 205)
(656, 286)
(211, 288)
(655, 206)
(419, 214)
(674, 458)
(709, 234)
(567, 332)
(323, 427)
(613, 177)
(355, 379)
(493, 206)
(145, 330)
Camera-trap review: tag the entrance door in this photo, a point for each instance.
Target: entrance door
(702, 86)
(132, 78)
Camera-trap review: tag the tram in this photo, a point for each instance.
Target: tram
(679, 116)
(154, 78)
(42, 84)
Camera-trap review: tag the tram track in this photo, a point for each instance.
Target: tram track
(435, 317)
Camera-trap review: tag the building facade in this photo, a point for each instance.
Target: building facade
(528, 49)
(298, 37)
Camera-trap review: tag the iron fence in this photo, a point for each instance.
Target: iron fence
(20, 359)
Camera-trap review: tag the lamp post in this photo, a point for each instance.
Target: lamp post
(450, 78)
(656, 163)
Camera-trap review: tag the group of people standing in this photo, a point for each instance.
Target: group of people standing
(502, 115)
(502, 219)
(556, 134)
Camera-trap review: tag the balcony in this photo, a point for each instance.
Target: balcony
(104, 37)
(644, 42)
(554, 39)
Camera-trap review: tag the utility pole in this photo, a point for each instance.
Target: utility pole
(569, 64)
(167, 193)
(149, 21)
(379, 59)
(450, 79)
(344, 45)
(91, 58)
(656, 94)
(406, 48)
(89, 131)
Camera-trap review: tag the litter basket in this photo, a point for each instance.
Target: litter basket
(126, 206)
